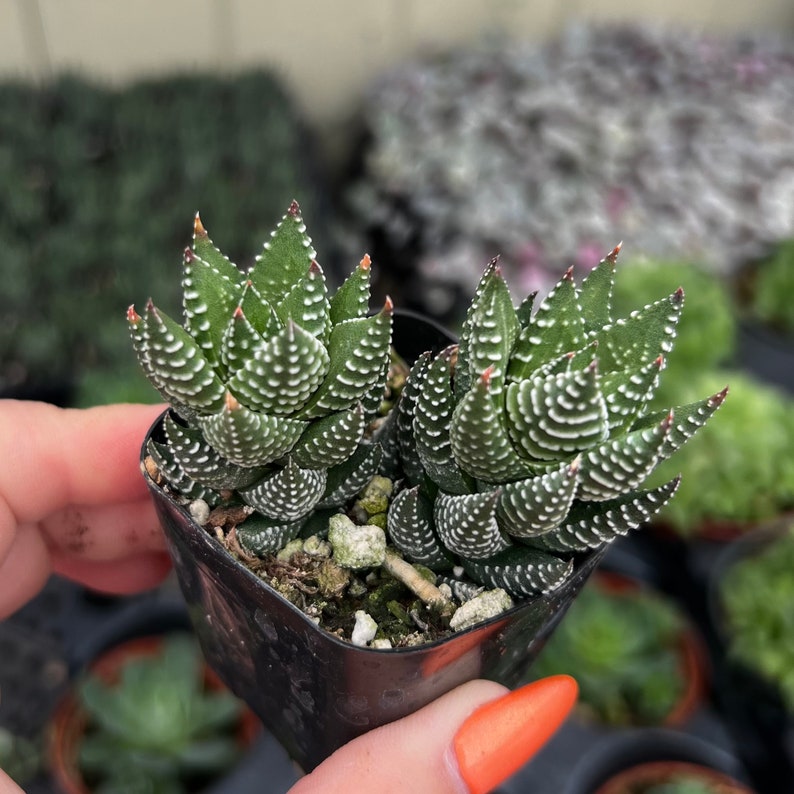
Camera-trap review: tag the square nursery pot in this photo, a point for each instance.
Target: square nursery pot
(313, 691)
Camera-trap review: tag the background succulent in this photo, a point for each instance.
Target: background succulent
(679, 140)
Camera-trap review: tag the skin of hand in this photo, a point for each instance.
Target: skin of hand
(73, 502)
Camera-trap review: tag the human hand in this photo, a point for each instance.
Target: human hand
(73, 502)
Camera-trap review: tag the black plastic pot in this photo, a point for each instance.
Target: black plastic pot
(313, 691)
(767, 354)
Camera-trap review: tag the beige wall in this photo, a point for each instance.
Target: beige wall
(326, 50)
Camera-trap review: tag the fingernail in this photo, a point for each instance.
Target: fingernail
(501, 736)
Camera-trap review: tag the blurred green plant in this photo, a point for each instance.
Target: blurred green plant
(95, 185)
(158, 731)
(772, 289)
(624, 652)
(685, 783)
(757, 594)
(740, 470)
(20, 757)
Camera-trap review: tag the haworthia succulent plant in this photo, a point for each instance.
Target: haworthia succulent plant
(271, 380)
(529, 442)
(512, 452)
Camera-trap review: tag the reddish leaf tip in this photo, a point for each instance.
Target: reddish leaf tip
(486, 376)
(189, 255)
(388, 305)
(678, 295)
(198, 227)
(238, 313)
(132, 316)
(613, 254)
(230, 401)
(365, 262)
(568, 275)
(294, 209)
(719, 398)
(314, 268)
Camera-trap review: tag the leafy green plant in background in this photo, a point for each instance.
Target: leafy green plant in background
(731, 476)
(757, 596)
(92, 181)
(687, 783)
(507, 454)
(157, 730)
(772, 290)
(20, 757)
(624, 650)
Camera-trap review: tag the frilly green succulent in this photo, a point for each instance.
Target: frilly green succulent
(510, 453)
(274, 382)
(527, 443)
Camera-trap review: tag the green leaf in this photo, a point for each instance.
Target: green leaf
(199, 461)
(260, 535)
(248, 438)
(287, 494)
(173, 361)
(591, 524)
(178, 479)
(536, 505)
(493, 328)
(285, 259)
(330, 440)
(556, 328)
(351, 300)
(467, 525)
(642, 337)
(595, 294)
(557, 416)
(205, 250)
(479, 440)
(346, 479)
(433, 411)
(282, 373)
(411, 530)
(306, 304)
(521, 572)
(627, 392)
(405, 410)
(621, 464)
(357, 350)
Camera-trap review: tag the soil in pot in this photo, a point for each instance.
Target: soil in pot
(671, 777)
(149, 713)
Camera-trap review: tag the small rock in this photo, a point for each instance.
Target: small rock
(365, 629)
(382, 644)
(376, 494)
(292, 548)
(484, 606)
(199, 511)
(356, 547)
(317, 547)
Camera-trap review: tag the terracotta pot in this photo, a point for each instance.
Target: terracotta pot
(636, 779)
(70, 720)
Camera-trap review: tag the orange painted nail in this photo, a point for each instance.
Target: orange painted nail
(501, 736)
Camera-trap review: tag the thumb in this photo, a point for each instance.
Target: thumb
(466, 742)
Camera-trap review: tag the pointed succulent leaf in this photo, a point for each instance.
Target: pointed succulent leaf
(557, 416)
(202, 463)
(260, 535)
(479, 439)
(173, 361)
(538, 504)
(345, 480)
(433, 411)
(462, 376)
(306, 304)
(372, 401)
(385, 435)
(493, 328)
(209, 298)
(239, 341)
(643, 336)
(285, 258)
(405, 410)
(556, 328)
(621, 464)
(178, 479)
(282, 373)
(287, 494)
(520, 571)
(330, 440)
(467, 525)
(247, 438)
(359, 353)
(206, 250)
(410, 525)
(259, 312)
(627, 392)
(595, 294)
(524, 310)
(351, 300)
(687, 420)
(591, 524)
